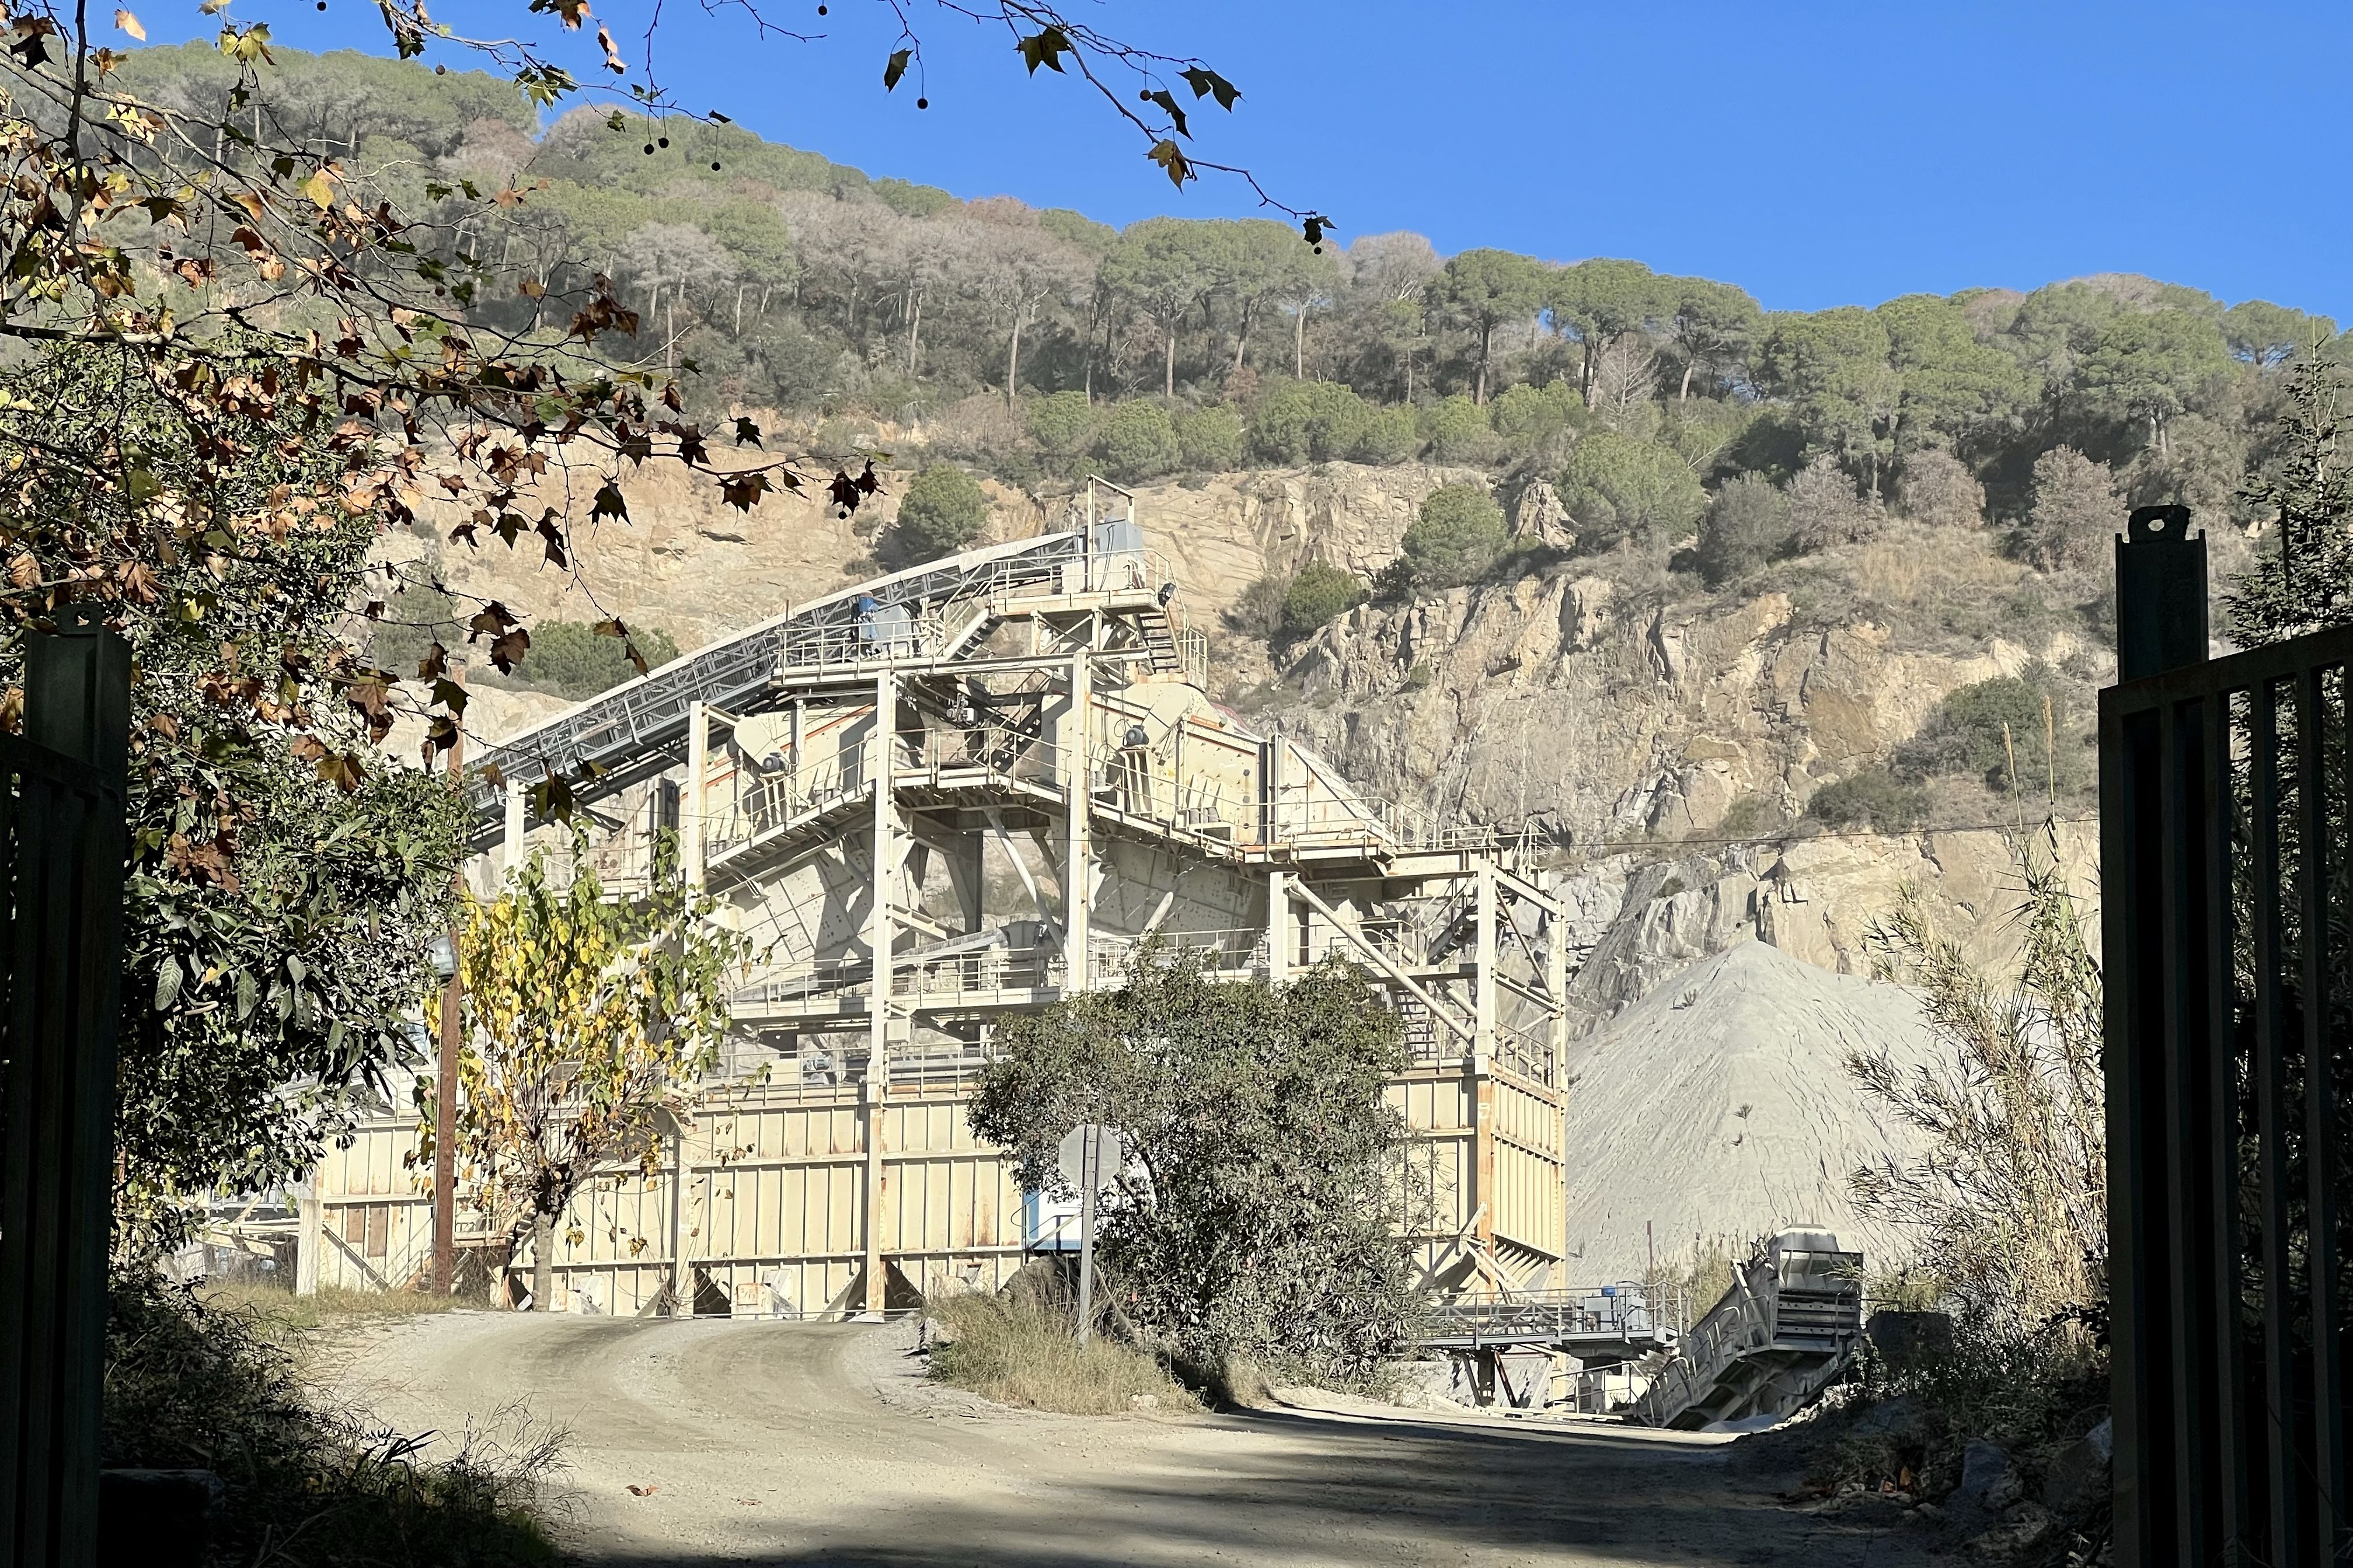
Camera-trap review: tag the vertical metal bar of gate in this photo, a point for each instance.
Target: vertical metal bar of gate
(2325, 1433)
(2270, 1071)
(62, 855)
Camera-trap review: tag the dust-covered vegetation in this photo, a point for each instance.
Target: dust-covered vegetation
(1022, 1348)
(1265, 1215)
(207, 1384)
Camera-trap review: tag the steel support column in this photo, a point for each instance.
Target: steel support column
(882, 937)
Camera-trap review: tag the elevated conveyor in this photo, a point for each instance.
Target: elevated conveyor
(932, 612)
(1780, 1335)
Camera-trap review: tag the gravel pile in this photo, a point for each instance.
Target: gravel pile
(1718, 1110)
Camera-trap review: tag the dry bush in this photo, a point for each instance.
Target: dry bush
(2009, 1203)
(278, 1312)
(1018, 1349)
(192, 1386)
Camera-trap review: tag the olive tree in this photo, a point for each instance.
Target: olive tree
(1265, 1215)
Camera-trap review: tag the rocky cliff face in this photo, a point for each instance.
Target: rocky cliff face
(1638, 732)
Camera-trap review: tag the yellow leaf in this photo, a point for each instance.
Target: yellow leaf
(321, 188)
(130, 24)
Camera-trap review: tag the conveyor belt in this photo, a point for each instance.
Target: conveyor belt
(636, 731)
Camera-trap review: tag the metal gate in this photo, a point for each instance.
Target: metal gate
(61, 869)
(2226, 791)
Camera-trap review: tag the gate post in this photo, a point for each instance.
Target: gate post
(61, 832)
(2160, 593)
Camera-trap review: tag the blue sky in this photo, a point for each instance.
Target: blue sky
(1816, 153)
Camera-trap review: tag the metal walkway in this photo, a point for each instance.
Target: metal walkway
(1600, 1325)
(1783, 1333)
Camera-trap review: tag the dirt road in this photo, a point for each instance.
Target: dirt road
(804, 1444)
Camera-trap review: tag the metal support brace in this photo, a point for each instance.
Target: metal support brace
(881, 938)
(1278, 926)
(1382, 962)
(692, 837)
(1078, 856)
(1487, 952)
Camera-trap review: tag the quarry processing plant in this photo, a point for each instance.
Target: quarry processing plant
(966, 789)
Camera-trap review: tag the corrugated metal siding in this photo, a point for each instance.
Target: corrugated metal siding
(775, 1212)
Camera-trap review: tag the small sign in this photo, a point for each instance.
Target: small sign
(1111, 1155)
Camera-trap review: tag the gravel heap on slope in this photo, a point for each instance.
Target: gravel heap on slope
(1719, 1110)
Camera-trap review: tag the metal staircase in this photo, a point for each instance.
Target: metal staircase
(1781, 1334)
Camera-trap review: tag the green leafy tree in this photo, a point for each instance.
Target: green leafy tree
(1319, 594)
(1713, 326)
(284, 878)
(2304, 581)
(1308, 421)
(1211, 439)
(2075, 512)
(1138, 441)
(1458, 536)
(943, 511)
(1874, 799)
(577, 661)
(1265, 1217)
(1484, 290)
(1834, 368)
(1457, 431)
(1529, 418)
(1953, 389)
(1162, 266)
(2148, 367)
(1619, 488)
(584, 1015)
(1747, 523)
(2015, 734)
(1600, 301)
(1064, 426)
(2267, 336)
(1390, 435)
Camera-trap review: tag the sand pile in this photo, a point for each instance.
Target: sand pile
(1718, 1109)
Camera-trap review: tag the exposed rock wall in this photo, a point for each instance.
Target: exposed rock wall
(1618, 722)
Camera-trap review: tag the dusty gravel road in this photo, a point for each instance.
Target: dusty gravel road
(807, 1444)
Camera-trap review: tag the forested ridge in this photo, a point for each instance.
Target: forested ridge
(1034, 344)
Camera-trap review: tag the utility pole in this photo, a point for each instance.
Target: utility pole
(1090, 1162)
(445, 1080)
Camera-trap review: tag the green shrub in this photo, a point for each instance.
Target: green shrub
(1458, 536)
(1619, 488)
(415, 619)
(943, 512)
(1390, 435)
(1746, 525)
(1319, 594)
(1873, 798)
(1211, 439)
(1967, 735)
(1063, 425)
(1137, 441)
(1527, 417)
(570, 659)
(1458, 431)
(1308, 421)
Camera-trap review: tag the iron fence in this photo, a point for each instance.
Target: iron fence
(2225, 808)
